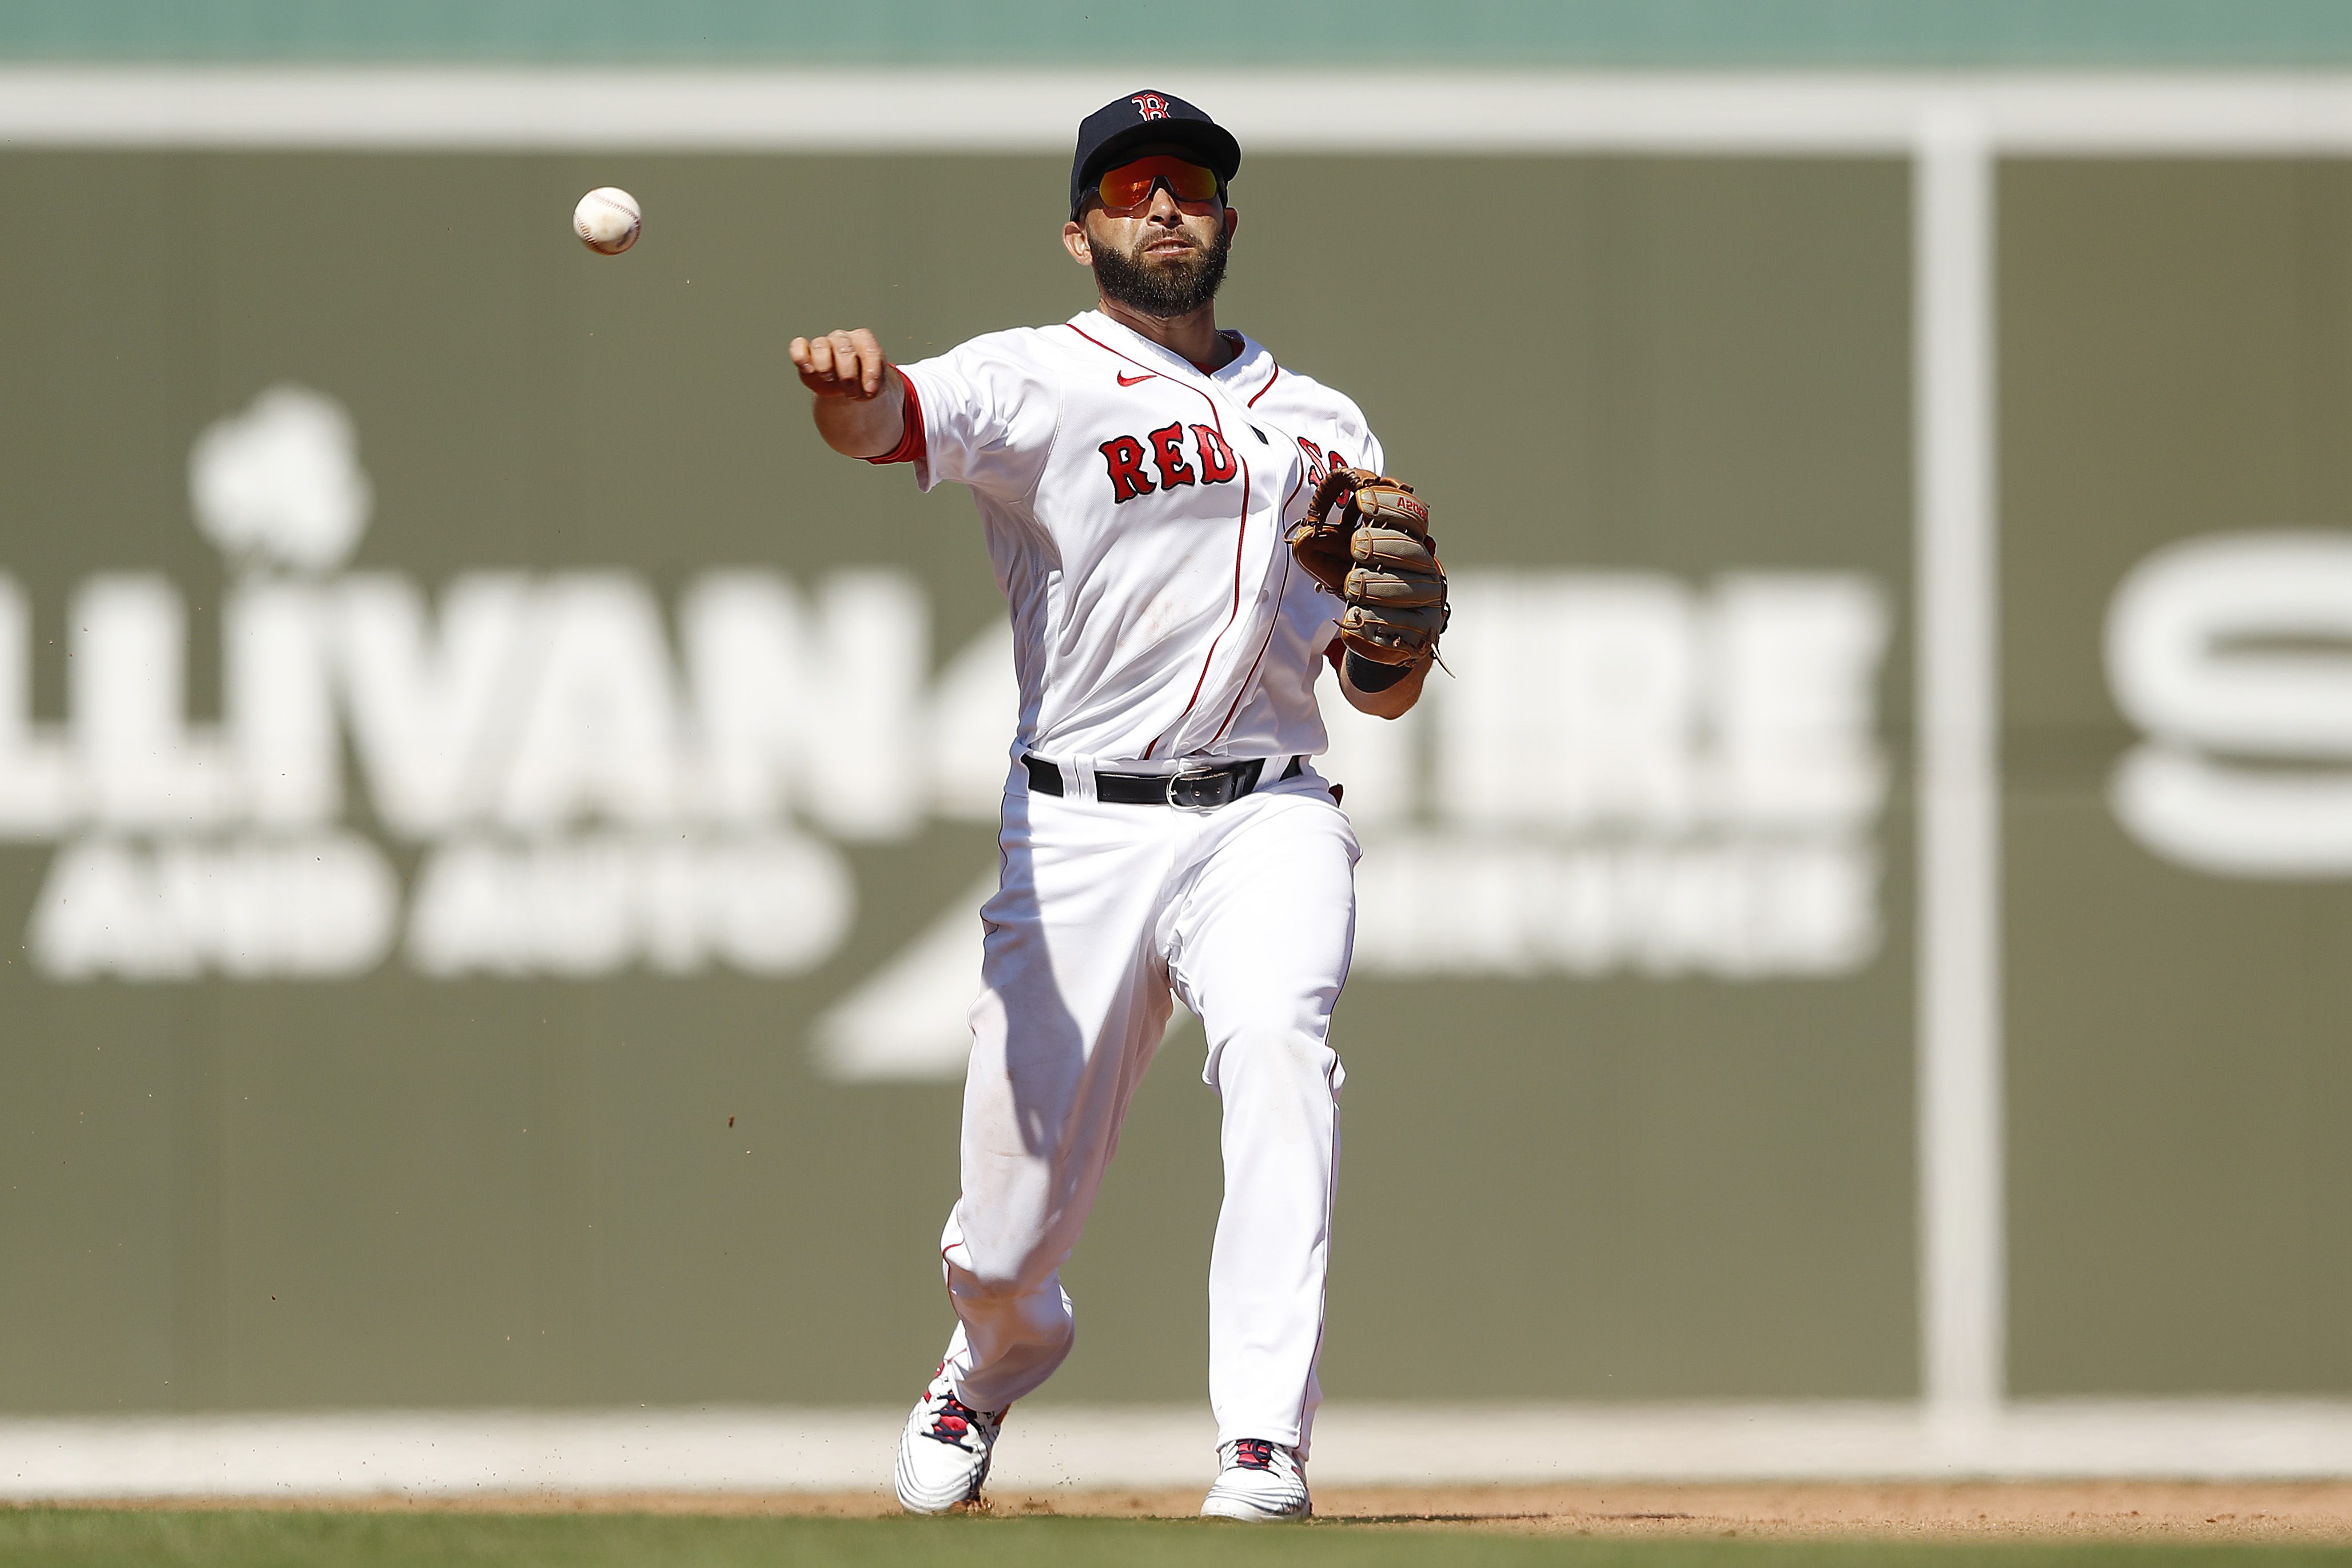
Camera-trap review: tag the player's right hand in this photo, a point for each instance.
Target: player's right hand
(841, 364)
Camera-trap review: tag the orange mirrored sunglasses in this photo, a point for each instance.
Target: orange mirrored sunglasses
(1131, 184)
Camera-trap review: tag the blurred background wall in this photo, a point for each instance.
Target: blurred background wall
(1800, 34)
(494, 813)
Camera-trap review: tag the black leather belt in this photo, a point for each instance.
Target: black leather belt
(1194, 789)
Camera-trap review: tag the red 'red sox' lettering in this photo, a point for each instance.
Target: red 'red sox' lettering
(1168, 451)
(1315, 467)
(1320, 462)
(1128, 479)
(1217, 463)
(1124, 455)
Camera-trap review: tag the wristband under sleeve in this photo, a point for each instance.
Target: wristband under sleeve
(910, 449)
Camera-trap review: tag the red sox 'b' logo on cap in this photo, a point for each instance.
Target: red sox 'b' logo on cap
(1151, 105)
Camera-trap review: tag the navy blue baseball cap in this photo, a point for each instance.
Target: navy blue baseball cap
(1105, 136)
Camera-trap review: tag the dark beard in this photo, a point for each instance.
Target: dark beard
(1167, 291)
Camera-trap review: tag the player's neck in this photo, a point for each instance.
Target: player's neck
(1193, 334)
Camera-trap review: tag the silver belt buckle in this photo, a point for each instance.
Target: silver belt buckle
(1202, 790)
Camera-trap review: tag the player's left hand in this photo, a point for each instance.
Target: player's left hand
(1366, 538)
(847, 364)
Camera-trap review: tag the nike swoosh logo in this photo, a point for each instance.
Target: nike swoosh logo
(1131, 380)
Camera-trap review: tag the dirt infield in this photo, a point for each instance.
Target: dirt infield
(2144, 1511)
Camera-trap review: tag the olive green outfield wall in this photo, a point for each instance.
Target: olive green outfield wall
(1597, 1168)
(2177, 350)
(398, 1189)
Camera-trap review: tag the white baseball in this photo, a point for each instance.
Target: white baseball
(607, 220)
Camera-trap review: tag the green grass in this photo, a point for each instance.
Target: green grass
(73, 1538)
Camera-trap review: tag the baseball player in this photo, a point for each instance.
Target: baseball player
(1187, 546)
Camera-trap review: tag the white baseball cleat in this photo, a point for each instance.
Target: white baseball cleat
(943, 1453)
(1259, 1480)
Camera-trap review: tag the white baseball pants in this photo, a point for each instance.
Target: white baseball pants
(1248, 913)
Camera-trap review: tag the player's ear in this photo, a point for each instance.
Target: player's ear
(1232, 221)
(1073, 240)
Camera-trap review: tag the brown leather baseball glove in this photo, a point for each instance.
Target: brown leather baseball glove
(1366, 538)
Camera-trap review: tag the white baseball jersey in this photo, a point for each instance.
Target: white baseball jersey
(1136, 508)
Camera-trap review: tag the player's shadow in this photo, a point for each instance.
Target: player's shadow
(1328, 1519)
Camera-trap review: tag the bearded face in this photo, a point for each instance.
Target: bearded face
(1152, 277)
